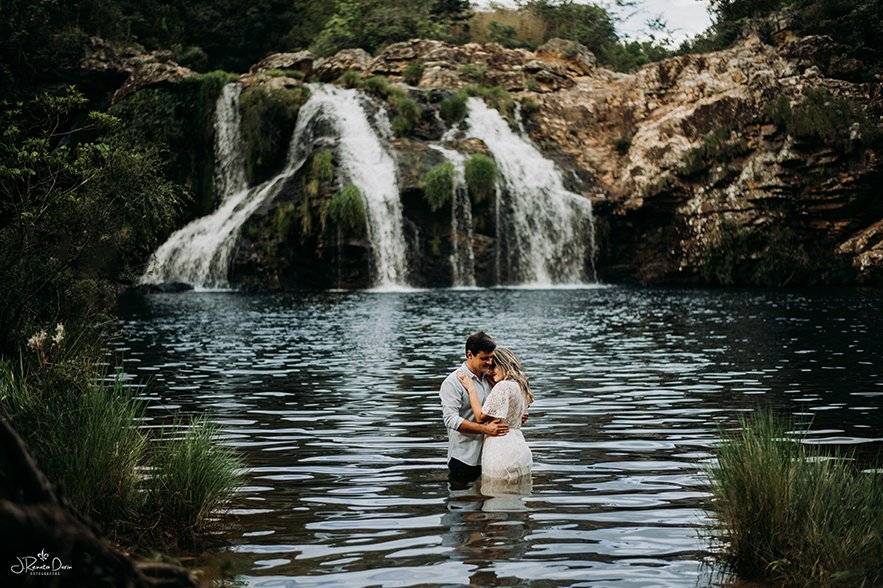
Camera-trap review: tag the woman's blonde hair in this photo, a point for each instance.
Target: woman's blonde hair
(512, 370)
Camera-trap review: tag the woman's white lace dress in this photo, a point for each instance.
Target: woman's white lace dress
(506, 460)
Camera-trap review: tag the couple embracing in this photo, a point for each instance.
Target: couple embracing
(484, 403)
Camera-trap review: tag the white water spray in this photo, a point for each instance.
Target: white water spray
(462, 256)
(548, 228)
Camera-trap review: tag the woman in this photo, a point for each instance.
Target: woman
(505, 460)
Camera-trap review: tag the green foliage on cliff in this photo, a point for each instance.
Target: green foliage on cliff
(438, 185)
(766, 255)
(347, 210)
(453, 108)
(854, 24)
(719, 146)
(268, 120)
(481, 177)
(322, 166)
(412, 73)
(82, 201)
(822, 118)
(407, 114)
(372, 24)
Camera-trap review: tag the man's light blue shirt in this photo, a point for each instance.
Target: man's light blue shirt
(465, 447)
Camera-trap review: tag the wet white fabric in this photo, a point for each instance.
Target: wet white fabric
(506, 460)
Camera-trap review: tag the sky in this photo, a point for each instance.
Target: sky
(685, 18)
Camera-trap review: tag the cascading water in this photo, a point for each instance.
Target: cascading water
(366, 163)
(548, 229)
(199, 253)
(462, 256)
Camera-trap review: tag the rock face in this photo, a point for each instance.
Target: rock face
(685, 159)
(758, 164)
(138, 68)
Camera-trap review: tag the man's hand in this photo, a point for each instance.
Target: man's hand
(523, 418)
(496, 429)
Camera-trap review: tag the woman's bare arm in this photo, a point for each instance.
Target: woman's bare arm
(473, 397)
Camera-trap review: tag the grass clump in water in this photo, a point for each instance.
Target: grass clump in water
(789, 517)
(438, 185)
(407, 114)
(481, 177)
(193, 476)
(347, 210)
(322, 166)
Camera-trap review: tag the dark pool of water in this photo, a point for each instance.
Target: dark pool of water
(332, 400)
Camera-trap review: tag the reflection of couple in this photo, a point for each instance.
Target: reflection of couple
(484, 403)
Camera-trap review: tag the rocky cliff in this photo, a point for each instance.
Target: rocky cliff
(759, 164)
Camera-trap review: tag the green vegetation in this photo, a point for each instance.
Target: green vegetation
(622, 144)
(347, 210)
(793, 518)
(853, 24)
(719, 146)
(536, 21)
(822, 118)
(268, 120)
(412, 73)
(494, 96)
(407, 114)
(473, 72)
(322, 166)
(351, 79)
(481, 177)
(85, 436)
(83, 201)
(193, 476)
(453, 108)
(438, 185)
(767, 255)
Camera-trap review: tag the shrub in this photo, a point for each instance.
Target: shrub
(495, 96)
(84, 436)
(473, 72)
(438, 185)
(412, 73)
(504, 34)
(823, 118)
(322, 166)
(192, 476)
(285, 73)
(481, 177)
(786, 516)
(347, 210)
(351, 79)
(268, 120)
(378, 85)
(622, 144)
(718, 146)
(453, 108)
(407, 114)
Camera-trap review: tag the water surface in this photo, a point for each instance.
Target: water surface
(332, 399)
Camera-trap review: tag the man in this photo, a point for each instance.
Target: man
(465, 437)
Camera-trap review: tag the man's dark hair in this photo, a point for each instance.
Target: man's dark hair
(480, 341)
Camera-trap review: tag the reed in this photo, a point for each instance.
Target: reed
(193, 476)
(784, 515)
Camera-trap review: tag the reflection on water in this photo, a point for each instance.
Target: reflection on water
(332, 398)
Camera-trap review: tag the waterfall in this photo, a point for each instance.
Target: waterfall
(462, 257)
(199, 253)
(366, 162)
(547, 228)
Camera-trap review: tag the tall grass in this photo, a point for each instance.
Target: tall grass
(84, 435)
(193, 476)
(784, 515)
